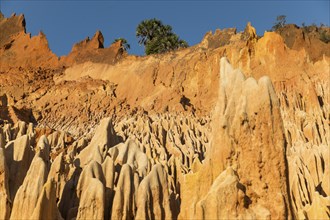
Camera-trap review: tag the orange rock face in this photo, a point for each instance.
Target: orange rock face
(236, 127)
(19, 49)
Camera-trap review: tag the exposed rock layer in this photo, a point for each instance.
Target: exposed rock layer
(190, 136)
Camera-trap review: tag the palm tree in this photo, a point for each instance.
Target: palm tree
(123, 42)
(148, 29)
(157, 37)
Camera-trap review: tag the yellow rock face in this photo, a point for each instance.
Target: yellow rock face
(236, 127)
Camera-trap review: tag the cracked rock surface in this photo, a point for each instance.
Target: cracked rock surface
(236, 127)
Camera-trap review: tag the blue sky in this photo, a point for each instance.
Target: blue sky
(67, 22)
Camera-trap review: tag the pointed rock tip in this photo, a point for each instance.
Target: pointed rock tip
(43, 142)
(106, 130)
(98, 36)
(250, 31)
(43, 148)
